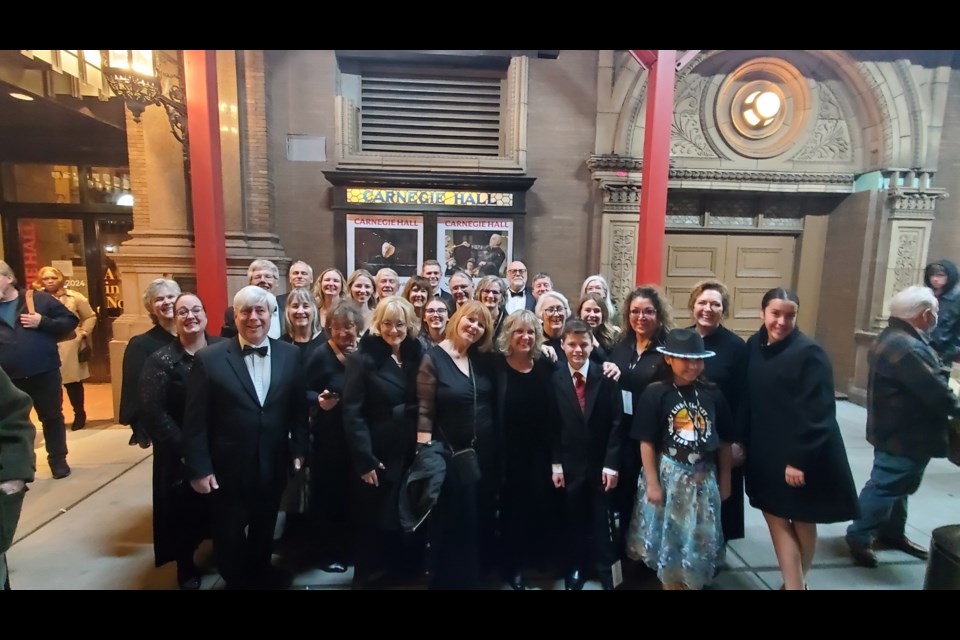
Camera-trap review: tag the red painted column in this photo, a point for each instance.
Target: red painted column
(206, 179)
(656, 168)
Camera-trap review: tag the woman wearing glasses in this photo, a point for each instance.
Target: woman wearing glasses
(179, 513)
(647, 318)
(490, 291)
(435, 316)
(380, 420)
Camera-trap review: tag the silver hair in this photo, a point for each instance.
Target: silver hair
(912, 302)
(259, 265)
(385, 271)
(251, 295)
(606, 291)
(552, 294)
(153, 288)
(5, 270)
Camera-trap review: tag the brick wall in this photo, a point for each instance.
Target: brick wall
(255, 169)
(561, 124)
(945, 238)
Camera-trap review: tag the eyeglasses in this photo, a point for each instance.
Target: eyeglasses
(491, 292)
(183, 312)
(435, 312)
(263, 276)
(517, 271)
(646, 313)
(555, 311)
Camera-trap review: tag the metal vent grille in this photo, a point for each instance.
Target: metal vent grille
(430, 115)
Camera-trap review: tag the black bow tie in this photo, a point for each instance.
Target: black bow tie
(516, 294)
(260, 351)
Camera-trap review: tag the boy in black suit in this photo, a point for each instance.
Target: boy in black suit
(586, 457)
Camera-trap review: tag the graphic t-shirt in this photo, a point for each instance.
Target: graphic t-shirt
(687, 424)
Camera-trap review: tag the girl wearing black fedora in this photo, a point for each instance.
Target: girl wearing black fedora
(682, 424)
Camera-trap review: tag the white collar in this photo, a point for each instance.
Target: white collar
(582, 370)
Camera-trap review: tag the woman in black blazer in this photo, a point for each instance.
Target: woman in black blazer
(380, 420)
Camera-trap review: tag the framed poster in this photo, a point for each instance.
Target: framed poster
(375, 241)
(480, 246)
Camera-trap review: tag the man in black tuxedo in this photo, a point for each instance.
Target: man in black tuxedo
(519, 295)
(244, 433)
(586, 457)
(266, 275)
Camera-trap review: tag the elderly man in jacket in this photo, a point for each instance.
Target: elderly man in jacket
(908, 409)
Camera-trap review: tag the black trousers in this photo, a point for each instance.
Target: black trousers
(590, 528)
(243, 526)
(44, 390)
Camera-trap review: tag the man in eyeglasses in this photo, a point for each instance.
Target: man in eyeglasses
(519, 295)
(266, 275)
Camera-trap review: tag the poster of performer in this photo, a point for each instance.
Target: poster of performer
(479, 246)
(375, 241)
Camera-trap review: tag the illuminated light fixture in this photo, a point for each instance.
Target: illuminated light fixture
(134, 75)
(21, 96)
(126, 200)
(761, 108)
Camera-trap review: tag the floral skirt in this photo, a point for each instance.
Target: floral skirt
(683, 539)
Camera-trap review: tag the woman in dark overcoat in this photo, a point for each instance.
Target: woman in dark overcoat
(380, 421)
(180, 514)
(797, 471)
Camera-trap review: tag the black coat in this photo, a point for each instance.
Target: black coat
(945, 337)
(587, 441)
(138, 350)
(28, 352)
(179, 514)
(226, 431)
(790, 419)
(380, 405)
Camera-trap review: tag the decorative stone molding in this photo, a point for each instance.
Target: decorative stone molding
(830, 140)
(618, 253)
(915, 204)
(906, 259)
(687, 139)
(613, 162)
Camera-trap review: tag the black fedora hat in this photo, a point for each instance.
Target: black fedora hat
(685, 343)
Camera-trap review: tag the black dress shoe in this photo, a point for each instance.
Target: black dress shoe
(188, 576)
(335, 567)
(903, 543)
(59, 469)
(862, 554)
(516, 582)
(574, 581)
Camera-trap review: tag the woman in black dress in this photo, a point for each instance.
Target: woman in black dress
(710, 304)
(647, 318)
(456, 386)
(158, 299)
(180, 514)
(380, 420)
(331, 474)
(797, 471)
(527, 415)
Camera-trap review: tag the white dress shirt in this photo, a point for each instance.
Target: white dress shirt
(515, 303)
(259, 368)
(275, 325)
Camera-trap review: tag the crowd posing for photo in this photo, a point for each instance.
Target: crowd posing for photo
(480, 434)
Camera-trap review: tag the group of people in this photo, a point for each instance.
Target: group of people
(591, 441)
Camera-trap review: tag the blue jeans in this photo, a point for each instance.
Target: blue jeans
(883, 501)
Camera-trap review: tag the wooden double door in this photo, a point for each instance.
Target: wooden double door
(749, 265)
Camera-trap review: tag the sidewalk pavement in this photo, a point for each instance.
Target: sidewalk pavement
(92, 530)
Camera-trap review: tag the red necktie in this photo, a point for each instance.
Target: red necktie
(580, 385)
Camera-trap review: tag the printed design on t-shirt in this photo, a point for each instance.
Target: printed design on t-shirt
(689, 428)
